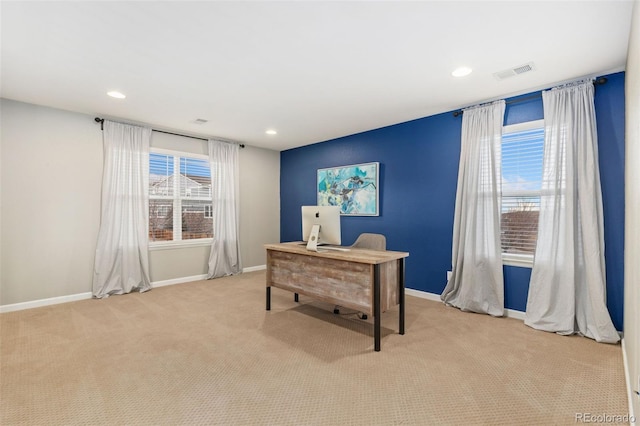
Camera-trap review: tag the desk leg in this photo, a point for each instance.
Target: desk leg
(401, 290)
(376, 306)
(268, 298)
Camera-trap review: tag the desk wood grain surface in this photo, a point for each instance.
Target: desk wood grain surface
(337, 277)
(358, 255)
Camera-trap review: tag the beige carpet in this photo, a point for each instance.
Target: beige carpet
(208, 353)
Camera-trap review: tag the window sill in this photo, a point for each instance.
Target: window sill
(520, 260)
(171, 245)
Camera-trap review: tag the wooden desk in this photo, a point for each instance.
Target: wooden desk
(368, 281)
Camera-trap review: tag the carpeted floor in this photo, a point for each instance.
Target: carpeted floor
(207, 352)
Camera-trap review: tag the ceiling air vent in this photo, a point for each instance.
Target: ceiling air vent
(512, 72)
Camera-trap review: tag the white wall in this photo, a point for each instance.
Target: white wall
(259, 203)
(51, 173)
(51, 177)
(632, 210)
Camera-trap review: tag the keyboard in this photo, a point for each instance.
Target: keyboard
(327, 248)
(322, 248)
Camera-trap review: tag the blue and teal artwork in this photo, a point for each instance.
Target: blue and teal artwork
(353, 188)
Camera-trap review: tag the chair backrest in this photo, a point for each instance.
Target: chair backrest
(371, 241)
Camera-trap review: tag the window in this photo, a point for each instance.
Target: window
(180, 203)
(522, 149)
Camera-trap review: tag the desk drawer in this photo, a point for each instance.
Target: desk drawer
(329, 280)
(340, 282)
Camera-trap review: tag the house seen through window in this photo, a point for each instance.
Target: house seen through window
(522, 152)
(180, 203)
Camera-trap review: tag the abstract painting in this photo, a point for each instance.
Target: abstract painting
(353, 188)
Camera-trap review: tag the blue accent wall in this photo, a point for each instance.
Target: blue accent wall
(418, 176)
(609, 102)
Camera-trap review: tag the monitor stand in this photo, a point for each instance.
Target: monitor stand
(312, 243)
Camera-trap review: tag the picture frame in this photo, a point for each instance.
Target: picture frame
(355, 188)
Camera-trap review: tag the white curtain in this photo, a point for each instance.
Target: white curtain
(122, 259)
(567, 288)
(476, 282)
(225, 249)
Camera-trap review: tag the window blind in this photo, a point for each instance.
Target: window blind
(522, 153)
(180, 202)
(195, 194)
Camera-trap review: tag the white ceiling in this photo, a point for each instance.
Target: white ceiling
(312, 70)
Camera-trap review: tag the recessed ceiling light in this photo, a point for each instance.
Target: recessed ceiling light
(461, 71)
(116, 95)
(271, 132)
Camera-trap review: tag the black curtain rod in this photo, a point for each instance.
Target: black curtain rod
(600, 80)
(101, 121)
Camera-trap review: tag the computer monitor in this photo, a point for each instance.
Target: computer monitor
(327, 220)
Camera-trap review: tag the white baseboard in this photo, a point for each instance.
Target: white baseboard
(509, 313)
(44, 302)
(83, 296)
(512, 313)
(254, 268)
(180, 280)
(423, 294)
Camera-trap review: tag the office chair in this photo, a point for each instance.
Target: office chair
(370, 241)
(367, 241)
